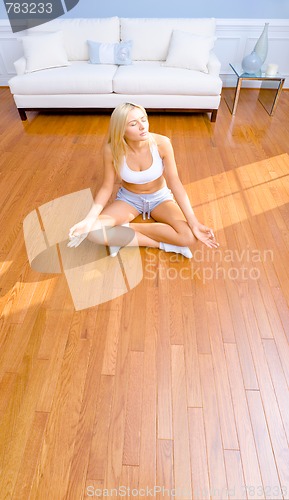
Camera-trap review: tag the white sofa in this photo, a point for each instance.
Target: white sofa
(147, 81)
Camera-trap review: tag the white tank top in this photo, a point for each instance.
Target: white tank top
(142, 176)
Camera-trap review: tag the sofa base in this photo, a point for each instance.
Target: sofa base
(23, 115)
(94, 103)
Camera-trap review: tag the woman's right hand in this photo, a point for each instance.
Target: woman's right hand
(79, 232)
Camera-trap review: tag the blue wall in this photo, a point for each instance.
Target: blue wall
(258, 9)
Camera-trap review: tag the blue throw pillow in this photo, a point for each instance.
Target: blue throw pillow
(110, 53)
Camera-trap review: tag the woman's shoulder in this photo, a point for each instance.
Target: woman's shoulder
(162, 142)
(160, 139)
(108, 157)
(107, 149)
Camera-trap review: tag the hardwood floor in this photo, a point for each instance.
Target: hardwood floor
(180, 387)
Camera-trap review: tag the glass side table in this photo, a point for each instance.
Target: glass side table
(269, 92)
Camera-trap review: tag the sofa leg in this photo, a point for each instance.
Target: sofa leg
(214, 115)
(22, 114)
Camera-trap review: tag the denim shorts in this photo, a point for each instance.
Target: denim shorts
(145, 203)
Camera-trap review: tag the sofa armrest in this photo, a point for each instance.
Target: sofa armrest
(20, 66)
(214, 65)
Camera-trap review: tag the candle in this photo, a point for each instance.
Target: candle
(271, 69)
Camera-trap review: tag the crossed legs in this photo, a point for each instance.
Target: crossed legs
(170, 227)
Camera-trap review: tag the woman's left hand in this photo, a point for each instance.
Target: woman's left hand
(205, 235)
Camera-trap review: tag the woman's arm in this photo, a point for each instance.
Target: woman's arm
(105, 191)
(80, 231)
(203, 233)
(173, 180)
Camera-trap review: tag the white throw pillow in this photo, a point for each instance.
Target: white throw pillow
(44, 51)
(189, 51)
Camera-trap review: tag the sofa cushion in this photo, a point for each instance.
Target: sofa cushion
(151, 37)
(78, 78)
(110, 53)
(154, 78)
(76, 32)
(44, 51)
(189, 51)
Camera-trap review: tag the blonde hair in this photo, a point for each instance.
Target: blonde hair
(116, 139)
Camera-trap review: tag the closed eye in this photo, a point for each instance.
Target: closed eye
(143, 119)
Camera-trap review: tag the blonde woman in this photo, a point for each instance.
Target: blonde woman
(150, 186)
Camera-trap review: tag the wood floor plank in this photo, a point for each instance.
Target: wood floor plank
(246, 359)
(278, 380)
(52, 348)
(7, 385)
(112, 339)
(279, 328)
(201, 320)
(260, 310)
(163, 357)
(94, 488)
(199, 469)
(192, 373)
(138, 303)
(278, 218)
(201, 292)
(216, 466)
(182, 470)
(225, 406)
(175, 303)
(248, 452)
(148, 431)
(99, 441)
(227, 326)
(282, 309)
(165, 468)
(31, 456)
(267, 292)
(271, 485)
(116, 433)
(87, 415)
(131, 448)
(129, 481)
(237, 489)
(279, 262)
